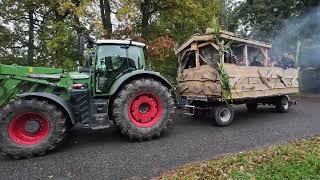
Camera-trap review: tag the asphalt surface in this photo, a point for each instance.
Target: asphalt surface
(108, 155)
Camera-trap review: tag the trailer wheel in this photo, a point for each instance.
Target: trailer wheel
(252, 107)
(142, 109)
(30, 128)
(224, 115)
(283, 105)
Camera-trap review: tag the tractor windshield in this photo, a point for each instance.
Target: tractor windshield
(115, 60)
(119, 58)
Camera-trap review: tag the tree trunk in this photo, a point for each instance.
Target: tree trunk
(223, 10)
(105, 10)
(80, 46)
(31, 38)
(146, 14)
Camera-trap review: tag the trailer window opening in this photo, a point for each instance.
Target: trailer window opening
(237, 55)
(255, 57)
(203, 61)
(190, 60)
(209, 55)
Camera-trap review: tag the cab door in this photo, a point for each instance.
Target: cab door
(111, 62)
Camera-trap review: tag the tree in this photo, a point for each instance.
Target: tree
(105, 10)
(187, 18)
(263, 19)
(29, 23)
(20, 15)
(143, 13)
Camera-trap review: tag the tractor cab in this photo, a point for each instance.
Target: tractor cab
(114, 58)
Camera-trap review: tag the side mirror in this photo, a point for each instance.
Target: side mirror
(90, 45)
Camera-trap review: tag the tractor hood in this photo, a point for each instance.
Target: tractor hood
(79, 78)
(26, 70)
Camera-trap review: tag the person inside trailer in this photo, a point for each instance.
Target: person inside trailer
(287, 61)
(274, 62)
(256, 62)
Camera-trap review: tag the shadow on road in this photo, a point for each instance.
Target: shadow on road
(80, 137)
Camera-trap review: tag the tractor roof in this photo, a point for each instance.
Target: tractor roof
(121, 42)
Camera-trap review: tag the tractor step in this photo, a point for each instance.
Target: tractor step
(101, 121)
(100, 118)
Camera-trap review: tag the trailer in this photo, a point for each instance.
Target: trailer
(253, 77)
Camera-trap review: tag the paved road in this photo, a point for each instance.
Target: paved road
(108, 155)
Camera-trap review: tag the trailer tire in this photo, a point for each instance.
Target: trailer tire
(142, 109)
(30, 127)
(223, 115)
(283, 104)
(252, 107)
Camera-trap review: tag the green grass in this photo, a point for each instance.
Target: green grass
(297, 160)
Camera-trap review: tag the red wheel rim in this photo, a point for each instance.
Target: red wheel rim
(145, 110)
(29, 128)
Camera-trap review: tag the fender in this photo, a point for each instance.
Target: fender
(53, 98)
(136, 74)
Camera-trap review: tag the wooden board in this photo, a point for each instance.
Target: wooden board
(246, 82)
(200, 82)
(262, 81)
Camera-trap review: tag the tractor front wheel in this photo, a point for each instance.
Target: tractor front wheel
(143, 109)
(30, 128)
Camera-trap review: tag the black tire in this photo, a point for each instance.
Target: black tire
(252, 107)
(130, 92)
(283, 105)
(223, 115)
(52, 116)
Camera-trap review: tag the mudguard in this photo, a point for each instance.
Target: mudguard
(53, 98)
(138, 74)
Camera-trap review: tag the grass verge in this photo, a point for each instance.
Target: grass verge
(296, 160)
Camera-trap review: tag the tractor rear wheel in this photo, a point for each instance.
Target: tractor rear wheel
(30, 128)
(142, 109)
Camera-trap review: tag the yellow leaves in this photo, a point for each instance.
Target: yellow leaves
(241, 168)
(64, 6)
(123, 11)
(286, 158)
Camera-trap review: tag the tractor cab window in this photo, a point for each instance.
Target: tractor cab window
(117, 57)
(114, 60)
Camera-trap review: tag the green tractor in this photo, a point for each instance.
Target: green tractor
(40, 105)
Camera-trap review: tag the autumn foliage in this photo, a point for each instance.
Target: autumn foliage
(161, 48)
